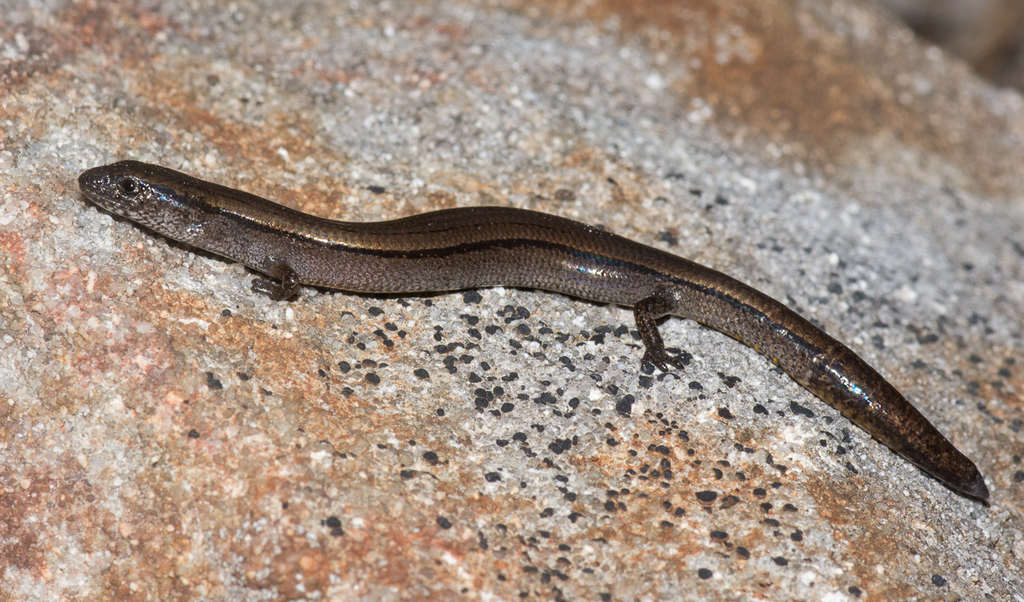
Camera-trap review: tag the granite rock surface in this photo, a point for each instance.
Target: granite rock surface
(165, 434)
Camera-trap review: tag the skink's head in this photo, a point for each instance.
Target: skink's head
(166, 201)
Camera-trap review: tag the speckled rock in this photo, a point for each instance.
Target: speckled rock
(166, 434)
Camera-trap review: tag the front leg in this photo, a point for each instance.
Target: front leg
(287, 281)
(646, 313)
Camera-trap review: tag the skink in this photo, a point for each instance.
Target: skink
(475, 247)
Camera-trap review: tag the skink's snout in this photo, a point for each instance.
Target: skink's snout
(90, 181)
(113, 187)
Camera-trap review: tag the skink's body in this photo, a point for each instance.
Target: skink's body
(487, 246)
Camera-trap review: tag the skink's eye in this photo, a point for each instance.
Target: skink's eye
(128, 187)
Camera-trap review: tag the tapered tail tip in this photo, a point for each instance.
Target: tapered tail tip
(975, 487)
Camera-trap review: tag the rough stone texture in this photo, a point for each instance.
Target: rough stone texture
(166, 434)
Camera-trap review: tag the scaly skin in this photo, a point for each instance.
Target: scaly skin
(477, 247)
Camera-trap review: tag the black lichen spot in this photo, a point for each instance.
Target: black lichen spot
(212, 382)
(444, 523)
(344, 367)
(625, 405)
(376, 189)
(430, 457)
(729, 501)
(375, 311)
(492, 477)
(372, 378)
(332, 522)
(407, 474)
(779, 560)
(799, 409)
(193, 434)
(704, 573)
(473, 297)
(797, 535)
(545, 398)
(666, 524)
(760, 409)
(559, 445)
(725, 413)
(760, 493)
(706, 496)
(854, 590)
(743, 552)
(729, 381)
(938, 581)
(421, 374)
(719, 535)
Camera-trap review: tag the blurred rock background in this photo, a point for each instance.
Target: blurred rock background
(988, 34)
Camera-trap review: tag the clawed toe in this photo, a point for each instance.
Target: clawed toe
(662, 361)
